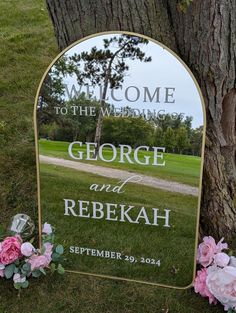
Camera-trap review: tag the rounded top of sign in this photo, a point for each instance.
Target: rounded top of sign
(154, 75)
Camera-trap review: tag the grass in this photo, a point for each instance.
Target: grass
(180, 168)
(129, 238)
(27, 47)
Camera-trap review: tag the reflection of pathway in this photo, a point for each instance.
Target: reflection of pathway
(122, 175)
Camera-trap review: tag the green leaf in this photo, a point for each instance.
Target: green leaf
(60, 269)
(25, 284)
(36, 273)
(48, 238)
(43, 250)
(9, 271)
(31, 240)
(17, 285)
(53, 267)
(23, 272)
(26, 267)
(52, 238)
(55, 257)
(16, 270)
(60, 249)
(42, 270)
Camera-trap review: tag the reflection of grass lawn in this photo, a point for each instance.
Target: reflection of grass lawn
(174, 246)
(180, 168)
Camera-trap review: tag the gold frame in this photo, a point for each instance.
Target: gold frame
(202, 155)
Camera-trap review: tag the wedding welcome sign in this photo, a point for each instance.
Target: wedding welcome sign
(120, 129)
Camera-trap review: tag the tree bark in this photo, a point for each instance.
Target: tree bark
(205, 38)
(74, 19)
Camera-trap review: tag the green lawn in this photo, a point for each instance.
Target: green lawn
(174, 246)
(27, 47)
(180, 168)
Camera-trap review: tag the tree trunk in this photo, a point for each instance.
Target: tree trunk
(205, 38)
(98, 131)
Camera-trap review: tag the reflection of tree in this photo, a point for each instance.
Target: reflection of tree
(169, 139)
(196, 140)
(52, 91)
(128, 130)
(177, 134)
(182, 140)
(71, 127)
(107, 67)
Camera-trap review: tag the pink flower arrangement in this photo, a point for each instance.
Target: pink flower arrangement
(201, 287)
(216, 279)
(20, 260)
(42, 260)
(10, 250)
(208, 249)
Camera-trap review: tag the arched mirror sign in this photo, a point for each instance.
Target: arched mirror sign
(120, 129)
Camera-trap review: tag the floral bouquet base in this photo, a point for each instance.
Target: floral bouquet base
(216, 278)
(20, 260)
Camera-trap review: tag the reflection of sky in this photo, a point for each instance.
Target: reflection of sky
(163, 71)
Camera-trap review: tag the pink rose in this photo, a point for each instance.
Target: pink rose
(48, 251)
(27, 249)
(10, 250)
(221, 246)
(47, 229)
(221, 259)
(222, 284)
(201, 287)
(207, 250)
(37, 261)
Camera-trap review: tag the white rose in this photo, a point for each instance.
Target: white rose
(27, 249)
(232, 261)
(47, 228)
(221, 259)
(222, 284)
(17, 278)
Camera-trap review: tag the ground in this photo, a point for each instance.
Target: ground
(27, 47)
(121, 175)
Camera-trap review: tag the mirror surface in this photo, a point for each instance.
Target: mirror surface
(120, 133)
